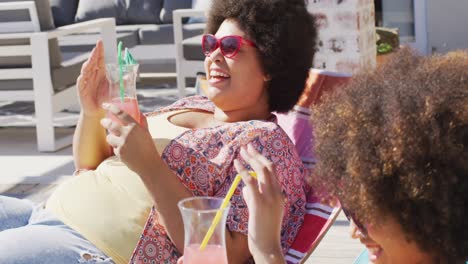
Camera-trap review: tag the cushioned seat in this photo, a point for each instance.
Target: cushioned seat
(164, 34)
(62, 77)
(193, 48)
(161, 59)
(156, 34)
(25, 61)
(86, 41)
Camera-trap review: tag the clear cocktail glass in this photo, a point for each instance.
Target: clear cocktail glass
(198, 214)
(122, 92)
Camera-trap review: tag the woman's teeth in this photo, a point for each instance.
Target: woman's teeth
(216, 74)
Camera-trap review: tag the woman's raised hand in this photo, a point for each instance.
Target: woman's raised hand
(265, 201)
(93, 88)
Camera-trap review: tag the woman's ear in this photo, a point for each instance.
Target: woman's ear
(267, 78)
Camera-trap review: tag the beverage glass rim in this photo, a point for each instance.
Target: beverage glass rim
(114, 64)
(205, 211)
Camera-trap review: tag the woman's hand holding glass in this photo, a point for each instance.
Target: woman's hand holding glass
(92, 85)
(265, 201)
(131, 142)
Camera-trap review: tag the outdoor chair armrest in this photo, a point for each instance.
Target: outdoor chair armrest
(15, 35)
(108, 33)
(178, 14)
(81, 27)
(181, 66)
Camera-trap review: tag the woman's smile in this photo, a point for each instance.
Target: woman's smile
(217, 76)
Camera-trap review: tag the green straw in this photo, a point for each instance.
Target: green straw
(119, 58)
(128, 58)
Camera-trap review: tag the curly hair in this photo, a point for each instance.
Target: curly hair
(394, 142)
(285, 35)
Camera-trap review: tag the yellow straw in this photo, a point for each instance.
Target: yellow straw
(219, 213)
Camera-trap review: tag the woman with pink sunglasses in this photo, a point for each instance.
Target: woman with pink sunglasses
(393, 148)
(258, 54)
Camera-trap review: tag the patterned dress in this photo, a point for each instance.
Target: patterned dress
(203, 158)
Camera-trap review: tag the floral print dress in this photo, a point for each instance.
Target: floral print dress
(203, 158)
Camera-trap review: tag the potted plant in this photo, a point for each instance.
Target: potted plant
(387, 42)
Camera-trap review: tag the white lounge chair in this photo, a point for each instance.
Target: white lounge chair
(31, 64)
(189, 55)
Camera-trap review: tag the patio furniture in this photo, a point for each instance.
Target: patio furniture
(144, 26)
(317, 222)
(189, 55)
(319, 217)
(32, 67)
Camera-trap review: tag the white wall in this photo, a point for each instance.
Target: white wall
(346, 35)
(447, 25)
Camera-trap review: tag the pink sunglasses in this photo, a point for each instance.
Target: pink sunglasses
(229, 45)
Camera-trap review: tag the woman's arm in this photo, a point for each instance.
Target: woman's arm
(89, 142)
(134, 145)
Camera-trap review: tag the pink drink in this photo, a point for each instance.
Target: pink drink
(212, 254)
(129, 105)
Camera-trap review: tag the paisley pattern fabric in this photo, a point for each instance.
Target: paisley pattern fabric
(203, 158)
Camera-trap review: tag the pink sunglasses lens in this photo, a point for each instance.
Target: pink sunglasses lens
(230, 46)
(209, 44)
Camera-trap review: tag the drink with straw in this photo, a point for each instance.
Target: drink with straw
(204, 225)
(198, 214)
(122, 84)
(129, 105)
(123, 93)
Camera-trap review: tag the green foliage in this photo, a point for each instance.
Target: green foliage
(384, 48)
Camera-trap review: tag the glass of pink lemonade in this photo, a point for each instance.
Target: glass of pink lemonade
(126, 98)
(198, 214)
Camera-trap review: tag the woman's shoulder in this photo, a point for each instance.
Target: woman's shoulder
(190, 102)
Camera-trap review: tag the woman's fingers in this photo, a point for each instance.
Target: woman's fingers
(259, 157)
(93, 68)
(112, 127)
(256, 166)
(125, 118)
(81, 82)
(100, 52)
(267, 166)
(100, 65)
(263, 172)
(246, 177)
(250, 189)
(114, 141)
(89, 64)
(143, 121)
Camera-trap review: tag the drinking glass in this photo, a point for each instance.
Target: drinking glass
(198, 214)
(125, 98)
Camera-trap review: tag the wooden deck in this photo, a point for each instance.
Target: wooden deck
(29, 174)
